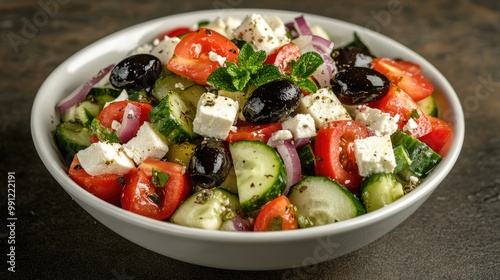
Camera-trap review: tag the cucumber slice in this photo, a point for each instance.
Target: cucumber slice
(428, 106)
(206, 209)
(192, 94)
(260, 174)
(307, 162)
(324, 201)
(180, 153)
(423, 158)
(173, 117)
(379, 190)
(101, 96)
(82, 113)
(71, 138)
(403, 160)
(170, 83)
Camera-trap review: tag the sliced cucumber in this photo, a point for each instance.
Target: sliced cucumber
(403, 160)
(423, 158)
(206, 209)
(82, 113)
(173, 117)
(102, 95)
(170, 83)
(260, 174)
(71, 138)
(324, 201)
(307, 162)
(379, 190)
(140, 96)
(180, 153)
(192, 94)
(230, 183)
(428, 106)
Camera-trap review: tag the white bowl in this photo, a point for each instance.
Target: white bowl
(235, 250)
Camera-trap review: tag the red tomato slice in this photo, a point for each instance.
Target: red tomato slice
(253, 132)
(334, 151)
(114, 112)
(174, 33)
(107, 187)
(440, 137)
(409, 66)
(406, 76)
(191, 55)
(277, 214)
(283, 55)
(397, 102)
(142, 197)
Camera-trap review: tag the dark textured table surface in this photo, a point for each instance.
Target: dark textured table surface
(454, 235)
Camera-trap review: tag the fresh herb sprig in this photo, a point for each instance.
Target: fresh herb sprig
(302, 69)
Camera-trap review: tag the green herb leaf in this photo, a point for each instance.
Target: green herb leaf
(302, 69)
(102, 133)
(155, 198)
(275, 223)
(158, 178)
(220, 78)
(306, 85)
(267, 74)
(414, 114)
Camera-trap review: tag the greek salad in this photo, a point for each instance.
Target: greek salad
(252, 124)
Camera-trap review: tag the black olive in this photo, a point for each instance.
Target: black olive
(357, 85)
(136, 72)
(272, 102)
(210, 163)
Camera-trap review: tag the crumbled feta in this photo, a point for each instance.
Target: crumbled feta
(147, 143)
(255, 30)
(301, 126)
(142, 49)
(323, 106)
(213, 56)
(164, 50)
(105, 158)
(224, 26)
(374, 154)
(378, 122)
(215, 116)
(281, 135)
(410, 126)
(123, 96)
(195, 50)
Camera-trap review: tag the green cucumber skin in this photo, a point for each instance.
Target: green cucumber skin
(428, 106)
(167, 84)
(379, 190)
(102, 95)
(260, 194)
(307, 161)
(71, 138)
(314, 199)
(423, 158)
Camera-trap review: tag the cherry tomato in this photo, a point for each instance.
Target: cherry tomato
(406, 75)
(439, 137)
(141, 196)
(334, 150)
(253, 132)
(283, 55)
(191, 55)
(107, 187)
(176, 32)
(277, 214)
(397, 102)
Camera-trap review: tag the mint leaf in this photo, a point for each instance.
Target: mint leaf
(306, 65)
(245, 52)
(220, 78)
(158, 178)
(307, 85)
(103, 134)
(267, 74)
(241, 82)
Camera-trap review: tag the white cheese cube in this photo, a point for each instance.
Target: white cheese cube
(123, 96)
(255, 30)
(378, 122)
(374, 154)
(224, 26)
(281, 135)
(105, 158)
(215, 116)
(147, 143)
(301, 126)
(323, 106)
(213, 56)
(165, 49)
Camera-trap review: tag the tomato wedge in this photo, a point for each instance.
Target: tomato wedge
(406, 75)
(440, 136)
(334, 150)
(191, 55)
(253, 132)
(283, 55)
(277, 214)
(141, 196)
(107, 187)
(397, 102)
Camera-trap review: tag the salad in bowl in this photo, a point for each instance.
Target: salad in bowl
(252, 124)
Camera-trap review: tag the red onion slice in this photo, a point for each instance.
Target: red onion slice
(291, 160)
(238, 223)
(301, 26)
(81, 92)
(301, 142)
(130, 123)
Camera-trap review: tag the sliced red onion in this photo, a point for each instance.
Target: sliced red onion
(320, 41)
(302, 26)
(130, 123)
(300, 142)
(81, 92)
(291, 160)
(238, 223)
(325, 72)
(290, 26)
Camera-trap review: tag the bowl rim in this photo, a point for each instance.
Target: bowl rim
(43, 144)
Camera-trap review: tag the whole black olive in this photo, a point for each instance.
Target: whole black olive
(352, 57)
(357, 85)
(272, 102)
(136, 72)
(210, 163)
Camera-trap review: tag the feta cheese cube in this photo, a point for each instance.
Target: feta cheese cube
(301, 126)
(105, 158)
(281, 135)
(255, 30)
(224, 26)
(215, 116)
(378, 122)
(165, 49)
(323, 106)
(147, 143)
(374, 154)
(213, 56)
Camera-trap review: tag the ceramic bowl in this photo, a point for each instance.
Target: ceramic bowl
(235, 250)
